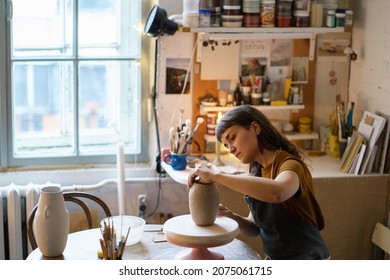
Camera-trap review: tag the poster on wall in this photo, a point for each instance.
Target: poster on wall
(300, 70)
(280, 53)
(255, 48)
(176, 75)
(251, 69)
(220, 59)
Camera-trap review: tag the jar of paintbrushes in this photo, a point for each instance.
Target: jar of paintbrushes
(180, 138)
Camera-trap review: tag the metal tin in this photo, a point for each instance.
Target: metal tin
(267, 13)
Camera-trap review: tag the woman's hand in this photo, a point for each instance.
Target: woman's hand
(224, 211)
(202, 174)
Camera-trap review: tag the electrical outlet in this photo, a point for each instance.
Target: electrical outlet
(142, 206)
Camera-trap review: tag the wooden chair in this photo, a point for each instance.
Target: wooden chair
(381, 237)
(75, 197)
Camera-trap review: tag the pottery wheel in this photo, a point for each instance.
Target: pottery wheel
(182, 231)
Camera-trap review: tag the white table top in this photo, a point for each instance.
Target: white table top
(83, 245)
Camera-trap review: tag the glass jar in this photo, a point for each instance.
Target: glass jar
(301, 19)
(204, 17)
(348, 20)
(283, 13)
(190, 6)
(331, 18)
(340, 19)
(316, 14)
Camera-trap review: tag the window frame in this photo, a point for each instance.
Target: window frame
(7, 158)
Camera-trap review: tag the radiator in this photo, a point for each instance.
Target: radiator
(16, 203)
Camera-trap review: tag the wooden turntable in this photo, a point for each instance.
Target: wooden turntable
(182, 231)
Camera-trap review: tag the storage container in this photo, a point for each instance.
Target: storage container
(251, 20)
(340, 19)
(251, 6)
(190, 6)
(284, 8)
(267, 13)
(316, 14)
(283, 21)
(348, 20)
(331, 18)
(301, 19)
(256, 98)
(204, 17)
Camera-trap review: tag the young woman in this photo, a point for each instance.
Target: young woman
(280, 196)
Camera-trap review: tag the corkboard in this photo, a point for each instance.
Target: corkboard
(200, 88)
(300, 48)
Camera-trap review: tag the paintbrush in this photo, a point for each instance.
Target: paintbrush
(199, 121)
(172, 139)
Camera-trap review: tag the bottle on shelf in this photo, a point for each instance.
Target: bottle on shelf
(348, 20)
(300, 98)
(237, 96)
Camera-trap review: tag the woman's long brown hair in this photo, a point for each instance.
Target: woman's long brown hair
(269, 138)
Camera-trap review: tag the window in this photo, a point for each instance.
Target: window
(74, 81)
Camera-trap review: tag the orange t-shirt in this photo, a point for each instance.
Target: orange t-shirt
(304, 204)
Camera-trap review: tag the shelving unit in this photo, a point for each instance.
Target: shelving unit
(306, 47)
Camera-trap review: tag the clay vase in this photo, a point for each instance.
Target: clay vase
(51, 222)
(203, 200)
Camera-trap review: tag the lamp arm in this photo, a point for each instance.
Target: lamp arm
(154, 97)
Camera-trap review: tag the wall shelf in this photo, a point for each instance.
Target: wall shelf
(245, 33)
(296, 136)
(268, 30)
(205, 109)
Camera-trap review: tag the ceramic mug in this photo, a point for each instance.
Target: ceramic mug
(177, 161)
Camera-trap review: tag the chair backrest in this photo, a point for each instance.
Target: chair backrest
(381, 237)
(75, 197)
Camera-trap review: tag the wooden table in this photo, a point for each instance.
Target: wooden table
(83, 245)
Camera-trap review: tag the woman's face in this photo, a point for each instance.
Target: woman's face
(241, 142)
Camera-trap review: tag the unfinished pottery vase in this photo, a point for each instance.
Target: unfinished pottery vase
(203, 202)
(51, 222)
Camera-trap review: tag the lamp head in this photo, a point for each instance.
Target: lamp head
(158, 23)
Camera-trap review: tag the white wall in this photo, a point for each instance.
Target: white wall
(370, 73)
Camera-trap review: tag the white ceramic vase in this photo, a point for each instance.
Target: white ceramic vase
(203, 202)
(51, 222)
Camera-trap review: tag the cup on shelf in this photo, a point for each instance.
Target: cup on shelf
(177, 161)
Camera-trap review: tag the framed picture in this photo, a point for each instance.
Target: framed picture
(300, 70)
(176, 72)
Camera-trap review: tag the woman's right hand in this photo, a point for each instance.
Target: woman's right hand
(201, 174)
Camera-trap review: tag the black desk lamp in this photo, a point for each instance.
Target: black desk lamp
(158, 24)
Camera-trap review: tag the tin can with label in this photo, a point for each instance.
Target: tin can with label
(267, 13)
